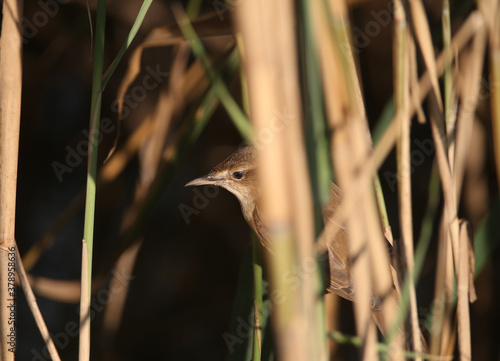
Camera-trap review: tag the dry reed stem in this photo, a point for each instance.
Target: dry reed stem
(494, 49)
(450, 240)
(10, 113)
(402, 61)
(332, 317)
(84, 337)
(450, 95)
(443, 294)
(351, 140)
(424, 39)
(35, 310)
(343, 117)
(333, 94)
(463, 316)
(272, 74)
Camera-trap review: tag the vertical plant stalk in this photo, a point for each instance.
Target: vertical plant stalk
(320, 164)
(423, 35)
(257, 282)
(449, 117)
(464, 336)
(317, 145)
(402, 96)
(365, 232)
(449, 241)
(10, 116)
(350, 148)
(272, 73)
(88, 230)
(495, 86)
(84, 346)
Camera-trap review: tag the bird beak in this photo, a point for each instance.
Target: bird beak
(206, 180)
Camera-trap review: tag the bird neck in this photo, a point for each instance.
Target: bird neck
(254, 218)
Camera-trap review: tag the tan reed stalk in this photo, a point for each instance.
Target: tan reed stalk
(402, 98)
(449, 91)
(344, 167)
(463, 315)
(10, 116)
(494, 49)
(423, 34)
(351, 141)
(272, 75)
(84, 339)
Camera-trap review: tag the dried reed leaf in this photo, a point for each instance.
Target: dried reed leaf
(207, 26)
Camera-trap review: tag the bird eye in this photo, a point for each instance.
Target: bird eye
(238, 175)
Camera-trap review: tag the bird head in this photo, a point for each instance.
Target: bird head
(237, 174)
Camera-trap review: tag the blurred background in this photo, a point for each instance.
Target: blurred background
(183, 268)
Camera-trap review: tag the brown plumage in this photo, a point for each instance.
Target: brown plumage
(237, 174)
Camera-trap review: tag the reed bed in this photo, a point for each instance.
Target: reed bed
(291, 78)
